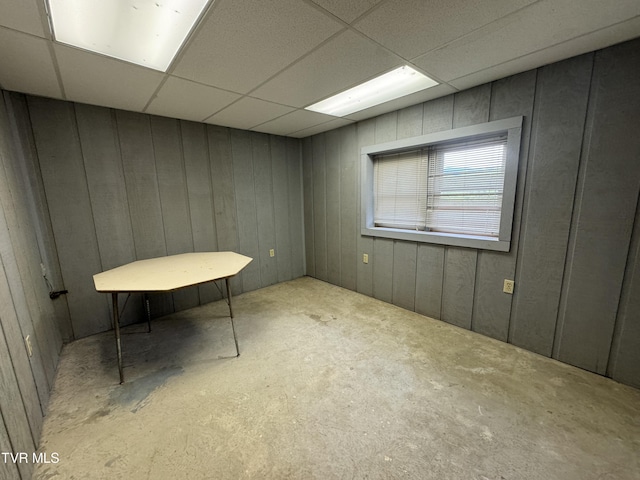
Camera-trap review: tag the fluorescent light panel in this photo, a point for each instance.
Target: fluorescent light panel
(145, 32)
(394, 84)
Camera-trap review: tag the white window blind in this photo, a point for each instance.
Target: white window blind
(452, 188)
(400, 194)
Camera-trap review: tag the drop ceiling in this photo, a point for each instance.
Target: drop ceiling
(255, 64)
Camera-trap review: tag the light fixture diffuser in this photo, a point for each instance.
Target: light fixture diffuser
(394, 84)
(145, 32)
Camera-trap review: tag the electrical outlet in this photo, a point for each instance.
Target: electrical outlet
(508, 286)
(365, 258)
(272, 253)
(27, 342)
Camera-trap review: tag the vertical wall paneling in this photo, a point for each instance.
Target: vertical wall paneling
(349, 202)
(604, 211)
(25, 307)
(200, 196)
(437, 116)
(296, 219)
(33, 194)
(105, 179)
(409, 124)
(333, 206)
(382, 259)
(107, 193)
(13, 410)
(404, 274)
(307, 181)
(22, 252)
(624, 363)
(42, 365)
(554, 157)
(263, 186)
(7, 469)
(282, 217)
(30, 373)
(386, 127)
(243, 182)
(221, 165)
(410, 121)
(320, 205)
(382, 269)
(139, 167)
(429, 280)
(458, 286)
(510, 97)
(366, 136)
(224, 199)
(141, 181)
(469, 108)
(65, 184)
(174, 199)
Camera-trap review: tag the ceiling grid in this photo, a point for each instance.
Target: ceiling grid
(255, 64)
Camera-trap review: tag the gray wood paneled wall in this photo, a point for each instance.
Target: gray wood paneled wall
(26, 310)
(575, 253)
(84, 189)
(125, 186)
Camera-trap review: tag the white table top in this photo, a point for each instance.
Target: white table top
(164, 274)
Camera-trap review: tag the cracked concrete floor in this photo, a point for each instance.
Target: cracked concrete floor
(330, 384)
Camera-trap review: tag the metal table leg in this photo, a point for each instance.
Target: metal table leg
(235, 339)
(116, 327)
(148, 307)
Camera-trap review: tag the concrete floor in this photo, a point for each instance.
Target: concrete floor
(330, 384)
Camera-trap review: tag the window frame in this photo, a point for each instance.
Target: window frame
(513, 129)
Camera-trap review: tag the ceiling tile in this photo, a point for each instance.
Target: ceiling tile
(244, 42)
(346, 11)
(414, 27)
(22, 15)
(294, 121)
(586, 43)
(346, 60)
(287, 54)
(27, 66)
(247, 113)
(519, 34)
(325, 127)
(99, 80)
(179, 98)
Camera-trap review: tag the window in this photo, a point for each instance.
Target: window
(455, 187)
(451, 188)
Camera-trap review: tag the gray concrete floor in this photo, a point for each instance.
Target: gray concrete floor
(330, 384)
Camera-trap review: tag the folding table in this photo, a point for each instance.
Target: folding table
(166, 274)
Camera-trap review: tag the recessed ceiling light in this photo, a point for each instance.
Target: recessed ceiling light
(145, 32)
(394, 84)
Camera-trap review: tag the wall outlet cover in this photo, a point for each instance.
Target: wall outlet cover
(27, 342)
(508, 286)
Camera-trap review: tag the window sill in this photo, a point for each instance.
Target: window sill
(456, 240)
